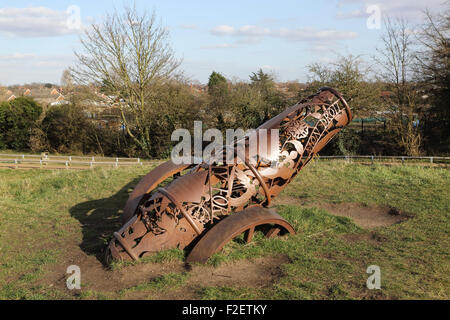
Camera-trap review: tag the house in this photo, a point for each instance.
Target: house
(59, 101)
(385, 94)
(27, 92)
(9, 92)
(54, 92)
(12, 97)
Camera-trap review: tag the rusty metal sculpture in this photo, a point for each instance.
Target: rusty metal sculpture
(207, 205)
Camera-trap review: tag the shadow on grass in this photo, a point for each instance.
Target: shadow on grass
(100, 219)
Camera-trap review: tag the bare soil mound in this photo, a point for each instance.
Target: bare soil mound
(253, 273)
(366, 216)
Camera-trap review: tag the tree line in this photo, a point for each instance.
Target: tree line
(127, 57)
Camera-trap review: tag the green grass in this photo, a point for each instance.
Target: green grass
(168, 255)
(45, 214)
(43, 211)
(168, 281)
(228, 293)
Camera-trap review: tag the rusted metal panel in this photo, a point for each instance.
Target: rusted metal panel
(148, 183)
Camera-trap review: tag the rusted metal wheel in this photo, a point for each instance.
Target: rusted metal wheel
(234, 225)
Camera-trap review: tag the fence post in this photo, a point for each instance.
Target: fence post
(67, 164)
(431, 159)
(372, 159)
(90, 165)
(16, 165)
(403, 160)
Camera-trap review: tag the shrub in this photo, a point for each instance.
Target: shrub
(18, 118)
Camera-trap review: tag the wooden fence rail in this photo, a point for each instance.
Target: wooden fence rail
(85, 162)
(75, 162)
(398, 159)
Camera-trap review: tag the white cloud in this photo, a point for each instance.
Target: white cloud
(220, 46)
(222, 30)
(358, 13)
(319, 49)
(189, 26)
(16, 56)
(36, 22)
(298, 34)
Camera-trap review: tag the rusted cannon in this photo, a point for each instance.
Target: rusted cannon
(206, 205)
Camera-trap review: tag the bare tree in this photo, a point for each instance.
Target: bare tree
(319, 73)
(351, 76)
(396, 60)
(129, 54)
(2, 91)
(433, 72)
(66, 79)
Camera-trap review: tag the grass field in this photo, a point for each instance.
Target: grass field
(52, 219)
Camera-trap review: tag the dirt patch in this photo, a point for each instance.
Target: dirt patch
(255, 273)
(366, 216)
(370, 237)
(95, 276)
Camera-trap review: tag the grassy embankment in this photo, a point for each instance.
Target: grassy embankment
(49, 219)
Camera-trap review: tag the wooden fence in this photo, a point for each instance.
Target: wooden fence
(390, 159)
(68, 162)
(86, 162)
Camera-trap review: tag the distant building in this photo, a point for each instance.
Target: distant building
(12, 97)
(197, 88)
(27, 92)
(54, 92)
(385, 94)
(59, 101)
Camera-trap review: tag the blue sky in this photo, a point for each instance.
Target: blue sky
(232, 37)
